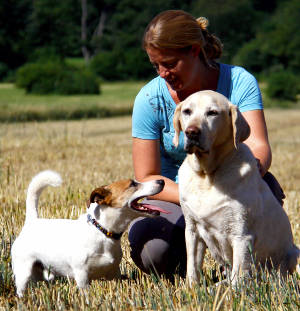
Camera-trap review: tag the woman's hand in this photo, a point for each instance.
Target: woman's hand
(146, 164)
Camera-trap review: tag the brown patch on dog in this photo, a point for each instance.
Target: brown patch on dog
(112, 195)
(101, 196)
(120, 191)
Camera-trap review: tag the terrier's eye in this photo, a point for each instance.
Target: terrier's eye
(187, 111)
(97, 198)
(212, 113)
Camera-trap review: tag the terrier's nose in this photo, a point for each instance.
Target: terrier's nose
(160, 182)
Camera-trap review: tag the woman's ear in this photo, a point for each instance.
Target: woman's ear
(196, 49)
(177, 124)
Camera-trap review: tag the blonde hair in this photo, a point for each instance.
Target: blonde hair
(176, 29)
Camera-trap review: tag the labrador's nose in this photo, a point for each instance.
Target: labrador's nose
(192, 132)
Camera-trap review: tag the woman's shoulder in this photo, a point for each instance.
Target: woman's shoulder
(152, 87)
(244, 89)
(236, 72)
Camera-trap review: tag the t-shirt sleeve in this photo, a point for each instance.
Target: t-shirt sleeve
(144, 117)
(247, 93)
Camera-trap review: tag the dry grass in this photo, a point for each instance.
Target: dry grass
(95, 152)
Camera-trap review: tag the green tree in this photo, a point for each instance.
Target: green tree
(277, 43)
(55, 26)
(94, 17)
(234, 22)
(13, 20)
(280, 38)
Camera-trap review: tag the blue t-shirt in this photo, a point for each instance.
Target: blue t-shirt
(154, 108)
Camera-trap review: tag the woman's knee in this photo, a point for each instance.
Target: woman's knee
(157, 245)
(153, 256)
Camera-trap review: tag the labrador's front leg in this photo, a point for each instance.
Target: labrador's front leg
(242, 249)
(195, 250)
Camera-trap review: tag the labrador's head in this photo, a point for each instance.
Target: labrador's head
(208, 119)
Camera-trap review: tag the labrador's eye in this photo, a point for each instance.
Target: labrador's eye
(133, 183)
(212, 113)
(187, 111)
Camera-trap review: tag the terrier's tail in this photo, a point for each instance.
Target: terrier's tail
(36, 186)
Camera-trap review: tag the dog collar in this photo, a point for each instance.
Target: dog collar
(116, 236)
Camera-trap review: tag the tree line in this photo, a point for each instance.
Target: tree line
(261, 35)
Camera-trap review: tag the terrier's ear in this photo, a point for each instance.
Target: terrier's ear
(177, 124)
(240, 127)
(102, 196)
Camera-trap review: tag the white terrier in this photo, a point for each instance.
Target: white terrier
(86, 248)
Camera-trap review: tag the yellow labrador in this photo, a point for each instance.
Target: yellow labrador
(227, 206)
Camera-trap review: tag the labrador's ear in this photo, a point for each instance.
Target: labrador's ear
(177, 124)
(102, 196)
(241, 129)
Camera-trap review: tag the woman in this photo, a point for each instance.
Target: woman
(184, 55)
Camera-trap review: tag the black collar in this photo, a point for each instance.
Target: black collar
(116, 236)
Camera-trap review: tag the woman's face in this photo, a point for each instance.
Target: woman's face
(179, 69)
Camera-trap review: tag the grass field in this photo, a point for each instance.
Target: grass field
(90, 153)
(115, 99)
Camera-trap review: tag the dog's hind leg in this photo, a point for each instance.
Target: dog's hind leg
(37, 272)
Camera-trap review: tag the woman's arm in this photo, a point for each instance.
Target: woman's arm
(258, 141)
(146, 164)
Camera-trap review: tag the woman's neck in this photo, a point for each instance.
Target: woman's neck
(207, 80)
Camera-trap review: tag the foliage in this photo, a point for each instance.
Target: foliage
(3, 71)
(44, 54)
(13, 21)
(57, 78)
(276, 43)
(117, 65)
(55, 25)
(260, 35)
(283, 85)
(234, 22)
(104, 65)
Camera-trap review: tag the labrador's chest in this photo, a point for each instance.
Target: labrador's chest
(199, 193)
(217, 215)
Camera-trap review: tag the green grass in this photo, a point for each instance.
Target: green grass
(116, 99)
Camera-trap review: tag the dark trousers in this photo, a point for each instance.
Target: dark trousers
(158, 244)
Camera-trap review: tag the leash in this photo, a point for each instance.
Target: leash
(113, 235)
